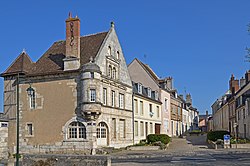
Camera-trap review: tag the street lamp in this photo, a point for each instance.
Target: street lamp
(30, 91)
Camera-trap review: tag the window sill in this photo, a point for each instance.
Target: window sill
(76, 140)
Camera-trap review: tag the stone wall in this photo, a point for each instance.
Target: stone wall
(57, 148)
(3, 140)
(65, 160)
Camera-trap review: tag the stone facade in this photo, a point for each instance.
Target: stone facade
(166, 112)
(231, 111)
(147, 102)
(176, 116)
(3, 139)
(66, 160)
(72, 109)
(147, 116)
(242, 104)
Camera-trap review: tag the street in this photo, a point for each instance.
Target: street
(190, 151)
(200, 159)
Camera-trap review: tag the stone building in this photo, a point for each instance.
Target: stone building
(143, 75)
(176, 114)
(3, 137)
(221, 113)
(242, 108)
(147, 112)
(80, 95)
(231, 111)
(203, 122)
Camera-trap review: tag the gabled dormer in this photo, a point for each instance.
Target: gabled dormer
(111, 60)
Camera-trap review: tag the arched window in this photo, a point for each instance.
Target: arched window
(101, 130)
(109, 71)
(109, 51)
(76, 130)
(114, 73)
(117, 54)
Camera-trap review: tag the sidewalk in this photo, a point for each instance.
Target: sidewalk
(178, 146)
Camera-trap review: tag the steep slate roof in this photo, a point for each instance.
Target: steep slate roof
(51, 61)
(148, 70)
(152, 73)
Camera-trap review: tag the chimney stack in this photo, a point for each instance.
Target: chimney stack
(247, 76)
(242, 82)
(72, 60)
(181, 96)
(188, 99)
(169, 81)
(73, 37)
(233, 84)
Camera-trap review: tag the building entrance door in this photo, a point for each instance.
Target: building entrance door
(157, 128)
(146, 129)
(102, 134)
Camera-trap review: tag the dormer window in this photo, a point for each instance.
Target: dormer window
(149, 92)
(117, 55)
(140, 88)
(114, 73)
(109, 51)
(156, 95)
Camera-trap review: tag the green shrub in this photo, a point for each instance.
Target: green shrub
(239, 141)
(214, 135)
(195, 131)
(164, 138)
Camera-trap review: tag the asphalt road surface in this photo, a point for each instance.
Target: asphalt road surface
(197, 159)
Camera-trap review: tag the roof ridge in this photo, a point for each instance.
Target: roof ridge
(92, 34)
(149, 69)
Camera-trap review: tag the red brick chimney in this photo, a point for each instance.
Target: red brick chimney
(72, 37)
(233, 84)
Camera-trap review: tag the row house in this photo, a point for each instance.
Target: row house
(153, 103)
(176, 115)
(203, 122)
(190, 115)
(242, 111)
(172, 106)
(147, 112)
(231, 111)
(220, 113)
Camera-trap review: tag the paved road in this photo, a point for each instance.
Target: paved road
(192, 151)
(201, 159)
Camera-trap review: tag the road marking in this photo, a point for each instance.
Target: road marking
(191, 159)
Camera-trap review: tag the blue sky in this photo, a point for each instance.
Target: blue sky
(199, 43)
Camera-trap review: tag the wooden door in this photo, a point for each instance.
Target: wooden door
(157, 128)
